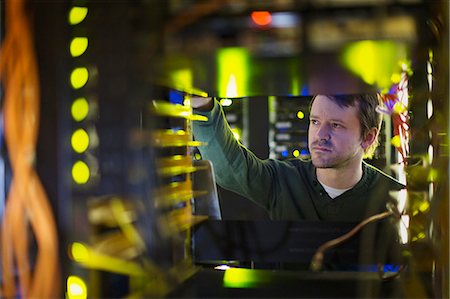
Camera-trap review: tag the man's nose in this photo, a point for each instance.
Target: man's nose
(323, 132)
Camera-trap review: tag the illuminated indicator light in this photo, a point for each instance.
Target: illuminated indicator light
(76, 288)
(402, 197)
(430, 154)
(197, 156)
(403, 231)
(80, 172)
(78, 46)
(80, 109)
(79, 77)
(222, 267)
(430, 190)
(429, 108)
(79, 252)
(261, 18)
(430, 81)
(245, 278)
(395, 141)
(300, 115)
(285, 153)
(233, 72)
(296, 153)
(226, 102)
(77, 15)
(80, 141)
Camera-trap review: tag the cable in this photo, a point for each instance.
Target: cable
(27, 205)
(317, 259)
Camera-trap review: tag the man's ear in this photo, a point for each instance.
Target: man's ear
(370, 138)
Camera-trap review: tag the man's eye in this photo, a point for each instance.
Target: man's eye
(313, 121)
(336, 125)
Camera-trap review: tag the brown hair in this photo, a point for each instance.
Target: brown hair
(369, 117)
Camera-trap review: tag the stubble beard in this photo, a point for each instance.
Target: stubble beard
(319, 160)
(331, 160)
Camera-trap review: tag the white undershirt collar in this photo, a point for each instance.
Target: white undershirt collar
(333, 192)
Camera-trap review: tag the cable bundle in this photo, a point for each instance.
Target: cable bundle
(27, 205)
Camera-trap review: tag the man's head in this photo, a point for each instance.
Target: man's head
(343, 128)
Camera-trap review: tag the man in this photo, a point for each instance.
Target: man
(336, 184)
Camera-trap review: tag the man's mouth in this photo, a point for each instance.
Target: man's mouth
(321, 149)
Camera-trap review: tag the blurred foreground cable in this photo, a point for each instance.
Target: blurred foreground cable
(317, 259)
(36, 273)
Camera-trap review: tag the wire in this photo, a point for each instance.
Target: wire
(27, 205)
(317, 259)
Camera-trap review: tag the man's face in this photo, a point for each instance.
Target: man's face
(334, 135)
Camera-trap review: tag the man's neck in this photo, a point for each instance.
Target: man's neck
(340, 178)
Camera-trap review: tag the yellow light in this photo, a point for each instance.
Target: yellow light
(95, 259)
(395, 141)
(79, 77)
(433, 175)
(375, 61)
(76, 288)
(300, 114)
(187, 101)
(197, 156)
(77, 15)
(79, 252)
(236, 133)
(419, 236)
(80, 172)
(296, 153)
(226, 102)
(233, 72)
(80, 109)
(245, 278)
(80, 141)
(399, 108)
(424, 206)
(295, 86)
(78, 46)
(429, 108)
(232, 89)
(395, 78)
(182, 79)
(430, 154)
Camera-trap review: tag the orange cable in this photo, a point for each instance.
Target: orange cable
(27, 203)
(317, 259)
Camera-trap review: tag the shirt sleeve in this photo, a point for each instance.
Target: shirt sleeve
(235, 167)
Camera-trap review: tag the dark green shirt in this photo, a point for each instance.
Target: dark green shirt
(288, 190)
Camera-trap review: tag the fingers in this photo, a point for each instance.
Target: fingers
(201, 102)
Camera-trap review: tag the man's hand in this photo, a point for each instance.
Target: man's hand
(202, 103)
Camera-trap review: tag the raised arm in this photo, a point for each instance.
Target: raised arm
(235, 167)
